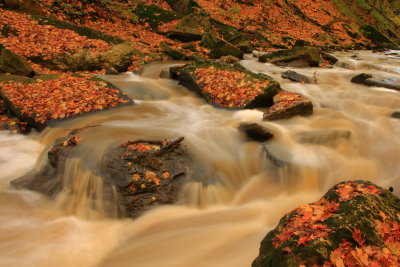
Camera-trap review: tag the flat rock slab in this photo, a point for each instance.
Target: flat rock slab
(389, 82)
(296, 77)
(353, 221)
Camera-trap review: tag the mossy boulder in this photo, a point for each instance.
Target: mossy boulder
(299, 56)
(191, 28)
(353, 221)
(155, 15)
(119, 56)
(13, 63)
(377, 37)
(219, 47)
(173, 53)
(236, 87)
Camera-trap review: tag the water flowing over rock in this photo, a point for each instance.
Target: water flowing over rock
(255, 132)
(354, 221)
(377, 80)
(144, 173)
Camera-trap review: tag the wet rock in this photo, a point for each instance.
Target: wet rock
(110, 70)
(298, 56)
(296, 77)
(165, 74)
(279, 155)
(173, 53)
(323, 137)
(287, 105)
(144, 173)
(199, 76)
(147, 173)
(353, 219)
(255, 132)
(219, 47)
(14, 64)
(377, 37)
(191, 28)
(395, 115)
(389, 82)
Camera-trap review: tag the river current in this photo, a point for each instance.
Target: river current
(236, 194)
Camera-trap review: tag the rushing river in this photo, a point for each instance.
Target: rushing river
(236, 196)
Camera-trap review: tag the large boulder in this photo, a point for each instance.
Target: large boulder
(144, 173)
(391, 82)
(219, 47)
(296, 57)
(287, 105)
(14, 64)
(226, 85)
(191, 28)
(355, 223)
(119, 56)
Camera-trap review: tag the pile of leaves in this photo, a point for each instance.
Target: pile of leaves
(27, 38)
(355, 224)
(228, 88)
(60, 98)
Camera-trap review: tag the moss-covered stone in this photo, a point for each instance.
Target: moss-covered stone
(191, 28)
(310, 56)
(173, 53)
(186, 77)
(350, 215)
(13, 63)
(155, 15)
(219, 47)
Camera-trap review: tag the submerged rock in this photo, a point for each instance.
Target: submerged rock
(296, 77)
(353, 222)
(378, 81)
(287, 105)
(255, 132)
(144, 173)
(395, 115)
(226, 85)
(323, 137)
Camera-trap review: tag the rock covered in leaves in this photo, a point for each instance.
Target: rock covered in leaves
(355, 223)
(39, 101)
(287, 105)
(147, 173)
(229, 86)
(144, 173)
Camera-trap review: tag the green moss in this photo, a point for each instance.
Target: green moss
(155, 15)
(21, 79)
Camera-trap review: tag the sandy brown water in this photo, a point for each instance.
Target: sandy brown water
(234, 197)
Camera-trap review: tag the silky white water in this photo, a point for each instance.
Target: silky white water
(235, 195)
